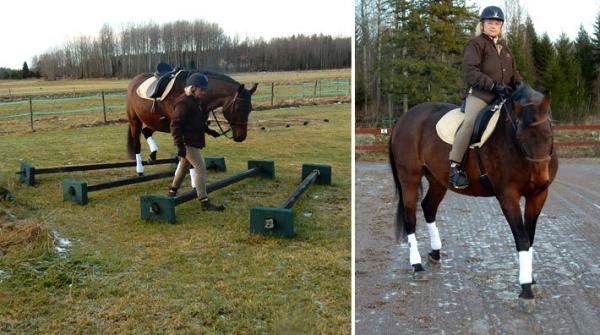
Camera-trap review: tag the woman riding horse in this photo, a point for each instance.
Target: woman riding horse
(489, 71)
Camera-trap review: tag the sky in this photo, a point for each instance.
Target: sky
(30, 28)
(556, 17)
(34, 27)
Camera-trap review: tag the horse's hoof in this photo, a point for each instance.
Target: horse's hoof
(526, 305)
(420, 276)
(152, 157)
(436, 263)
(140, 174)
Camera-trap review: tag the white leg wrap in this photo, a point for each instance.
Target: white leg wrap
(139, 168)
(434, 236)
(193, 177)
(525, 266)
(415, 258)
(152, 144)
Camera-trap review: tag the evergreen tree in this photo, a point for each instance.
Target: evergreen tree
(25, 73)
(424, 50)
(585, 58)
(543, 54)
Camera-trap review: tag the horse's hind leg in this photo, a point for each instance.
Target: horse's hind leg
(430, 204)
(410, 193)
(147, 132)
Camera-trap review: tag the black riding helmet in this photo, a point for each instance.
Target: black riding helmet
(492, 13)
(197, 80)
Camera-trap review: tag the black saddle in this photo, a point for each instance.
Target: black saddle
(483, 118)
(164, 73)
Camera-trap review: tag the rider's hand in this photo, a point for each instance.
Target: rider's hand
(500, 90)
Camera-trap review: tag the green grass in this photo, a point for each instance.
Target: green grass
(206, 274)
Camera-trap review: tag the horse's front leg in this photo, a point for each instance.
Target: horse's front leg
(509, 203)
(533, 207)
(430, 205)
(147, 132)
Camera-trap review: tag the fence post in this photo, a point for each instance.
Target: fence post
(315, 90)
(103, 107)
(272, 93)
(31, 114)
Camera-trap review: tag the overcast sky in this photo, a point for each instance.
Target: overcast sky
(30, 28)
(556, 17)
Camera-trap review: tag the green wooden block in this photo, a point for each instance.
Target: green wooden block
(158, 208)
(324, 177)
(272, 221)
(267, 167)
(216, 163)
(27, 174)
(75, 190)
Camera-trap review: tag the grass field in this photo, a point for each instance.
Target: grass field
(100, 269)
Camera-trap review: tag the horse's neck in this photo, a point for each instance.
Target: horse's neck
(505, 134)
(219, 97)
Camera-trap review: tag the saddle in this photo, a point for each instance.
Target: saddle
(159, 85)
(485, 124)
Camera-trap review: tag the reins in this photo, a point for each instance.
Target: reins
(534, 124)
(229, 104)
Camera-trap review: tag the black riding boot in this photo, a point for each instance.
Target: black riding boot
(458, 178)
(209, 206)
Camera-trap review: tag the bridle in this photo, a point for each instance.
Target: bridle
(535, 124)
(229, 106)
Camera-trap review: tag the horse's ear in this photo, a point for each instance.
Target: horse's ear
(253, 88)
(241, 88)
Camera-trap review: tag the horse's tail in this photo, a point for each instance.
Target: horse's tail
(400, 228)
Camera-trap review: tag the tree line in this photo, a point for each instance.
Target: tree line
(139, 47)
(410, 51)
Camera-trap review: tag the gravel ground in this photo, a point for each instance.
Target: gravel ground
(475, 290)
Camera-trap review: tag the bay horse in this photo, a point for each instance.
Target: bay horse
(223, 91)
(520, 161)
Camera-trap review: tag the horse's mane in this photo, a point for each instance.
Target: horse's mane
(526, 95)
(219, 76)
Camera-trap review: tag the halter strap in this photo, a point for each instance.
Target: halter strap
(229, 104)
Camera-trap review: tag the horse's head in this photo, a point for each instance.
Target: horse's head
(235, 99)
(534, 131)
(236, 111)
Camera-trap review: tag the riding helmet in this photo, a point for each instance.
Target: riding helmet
(492, 13)
(197, 80)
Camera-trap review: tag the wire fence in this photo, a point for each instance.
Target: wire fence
(34, 113)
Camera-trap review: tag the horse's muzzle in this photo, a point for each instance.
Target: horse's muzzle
(540, 175)
(239, 135)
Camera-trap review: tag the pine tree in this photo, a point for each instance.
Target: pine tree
(424, 50)
(25, 73)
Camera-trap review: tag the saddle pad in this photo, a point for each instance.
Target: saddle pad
(446, 127)
(143, 88)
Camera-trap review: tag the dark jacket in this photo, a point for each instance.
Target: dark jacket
(188, 123)
(483, 66)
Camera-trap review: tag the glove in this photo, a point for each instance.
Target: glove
(212, 133)
(500, 90)
(181, 152)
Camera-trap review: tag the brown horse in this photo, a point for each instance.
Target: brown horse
(223, 91)
(519, 159)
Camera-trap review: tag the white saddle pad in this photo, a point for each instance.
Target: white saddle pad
(449, 123)
(142, 90)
